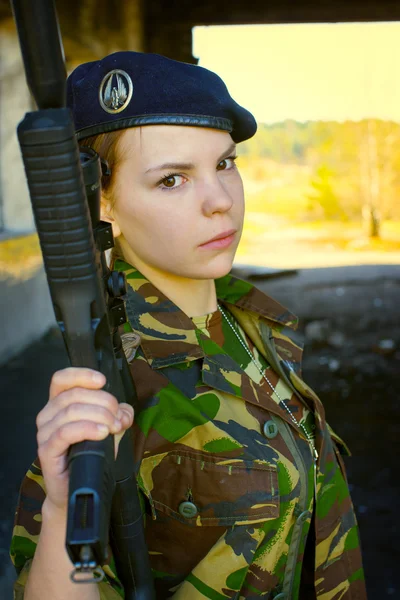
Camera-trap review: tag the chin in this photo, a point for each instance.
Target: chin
(219, 267)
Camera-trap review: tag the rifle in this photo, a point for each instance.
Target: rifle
(64, 186)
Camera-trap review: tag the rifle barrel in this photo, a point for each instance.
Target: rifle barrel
(42, 51)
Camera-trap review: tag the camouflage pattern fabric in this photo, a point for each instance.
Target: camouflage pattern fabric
(232, 508)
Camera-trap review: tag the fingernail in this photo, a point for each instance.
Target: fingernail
(117, 424)
(98, 377)
(102, 428)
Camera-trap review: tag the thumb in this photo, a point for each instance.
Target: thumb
(126, 421)
(117, 440)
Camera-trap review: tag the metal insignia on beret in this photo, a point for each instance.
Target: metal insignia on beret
(115, 91)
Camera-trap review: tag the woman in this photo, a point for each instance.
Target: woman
(241, 477)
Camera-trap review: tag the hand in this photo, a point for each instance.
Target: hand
(78, 409)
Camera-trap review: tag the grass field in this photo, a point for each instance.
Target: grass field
(277, 242)
(268, 239)
(280, 230)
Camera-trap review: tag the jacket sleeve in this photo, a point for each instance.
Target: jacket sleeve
(26, 532)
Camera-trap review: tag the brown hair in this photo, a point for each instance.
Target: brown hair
(106, 146)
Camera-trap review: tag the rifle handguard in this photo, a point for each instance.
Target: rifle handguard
(52, 164)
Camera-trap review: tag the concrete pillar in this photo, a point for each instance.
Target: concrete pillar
(172, 39)
(15, 101)
(26, 312)
(25, 307)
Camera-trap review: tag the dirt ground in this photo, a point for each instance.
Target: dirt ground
(350, 323)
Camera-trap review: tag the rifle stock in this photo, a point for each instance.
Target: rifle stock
(87, 303)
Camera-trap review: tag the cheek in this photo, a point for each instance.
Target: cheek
(174, 231)
(236, 192)
(142, 223)
(234, 184)
(239, 186)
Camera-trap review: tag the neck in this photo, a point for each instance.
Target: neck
(195, 297)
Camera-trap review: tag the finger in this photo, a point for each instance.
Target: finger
(76, 395)
(75, 377)
(70, 433)
(125, 414)
(127, 420)
(79, 412)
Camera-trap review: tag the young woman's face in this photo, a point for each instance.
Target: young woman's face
(176, 188)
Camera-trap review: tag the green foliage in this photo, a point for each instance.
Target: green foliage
(324, 197)
(343, 163)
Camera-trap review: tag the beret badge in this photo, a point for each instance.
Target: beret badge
(115, 91)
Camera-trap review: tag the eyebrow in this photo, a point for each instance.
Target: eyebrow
(188, 166)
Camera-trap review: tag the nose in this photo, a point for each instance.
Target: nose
(216, 197)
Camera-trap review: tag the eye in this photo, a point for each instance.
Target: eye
(227, 163)
(171, 181)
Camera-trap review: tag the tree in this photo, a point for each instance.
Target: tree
(370, 180)
(324, 197)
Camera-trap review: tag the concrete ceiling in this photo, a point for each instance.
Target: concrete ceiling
(211, 12)
(93, 28)
(168, 23)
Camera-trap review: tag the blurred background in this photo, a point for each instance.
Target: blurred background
(322, 228)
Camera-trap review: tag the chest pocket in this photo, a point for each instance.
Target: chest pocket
(203, 489)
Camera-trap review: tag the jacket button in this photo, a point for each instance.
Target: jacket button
(188, 510)
(270, 429)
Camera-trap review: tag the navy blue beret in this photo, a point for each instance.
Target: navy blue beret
(130, 89)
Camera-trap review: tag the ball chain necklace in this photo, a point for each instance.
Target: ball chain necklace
(281, 401)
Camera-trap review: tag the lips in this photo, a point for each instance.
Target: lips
(220, 236)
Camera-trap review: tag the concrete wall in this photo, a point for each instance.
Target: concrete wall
(25, 308)
(14, 103)
(26, 312)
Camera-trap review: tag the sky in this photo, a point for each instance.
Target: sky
(307, 72)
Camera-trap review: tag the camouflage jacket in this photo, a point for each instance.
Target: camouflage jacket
(234, 506)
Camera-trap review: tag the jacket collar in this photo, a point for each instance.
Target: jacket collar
(168, 335)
